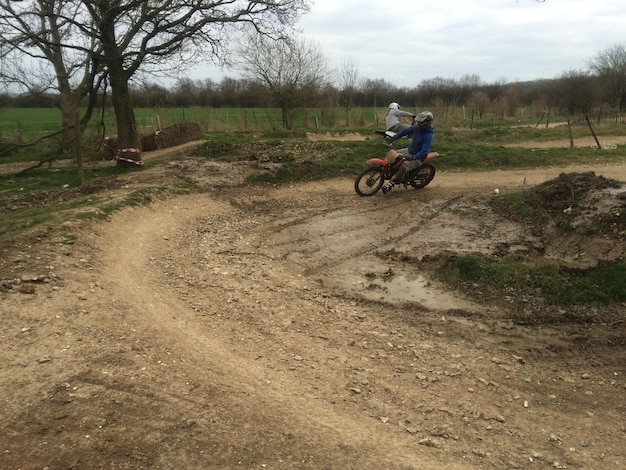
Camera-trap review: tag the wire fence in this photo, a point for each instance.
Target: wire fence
(29, 125)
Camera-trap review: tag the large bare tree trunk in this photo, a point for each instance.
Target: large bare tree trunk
(128, 141)
(72, 131)
(129, 150)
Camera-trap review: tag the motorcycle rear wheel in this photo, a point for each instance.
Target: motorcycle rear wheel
(422, 176)
(369, 181)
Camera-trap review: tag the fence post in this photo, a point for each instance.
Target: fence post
(592, 133)
(571, 137)
(18, 132)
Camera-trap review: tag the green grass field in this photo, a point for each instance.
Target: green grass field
(466, 144)
(30, 124)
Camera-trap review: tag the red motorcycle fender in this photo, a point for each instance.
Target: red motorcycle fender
(376, 161)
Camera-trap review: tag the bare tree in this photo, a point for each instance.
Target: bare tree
(480, 102)
(576, 91)
(42, 49)
(610, 65)
(137, 34)
(124, 37)
(378, 91)
(348, 75)
(291, 71)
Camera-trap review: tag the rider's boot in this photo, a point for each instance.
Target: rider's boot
(388, 186)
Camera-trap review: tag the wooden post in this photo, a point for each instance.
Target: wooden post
(19, 137)
(256, 121)
(592, 133)
(571, 138)
(78, 148)
(540, 119)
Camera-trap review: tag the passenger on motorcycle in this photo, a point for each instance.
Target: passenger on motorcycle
(393, 119)
(423, 133)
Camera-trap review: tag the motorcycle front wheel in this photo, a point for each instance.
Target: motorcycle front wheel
(369, 181)
(422, 176)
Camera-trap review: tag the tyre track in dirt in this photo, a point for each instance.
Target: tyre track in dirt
(270, 306)
(345, 247)
(198, 340)
(332, 248)
(158, 310)
(333, 227)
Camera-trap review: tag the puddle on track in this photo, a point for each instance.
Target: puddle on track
(397, 288)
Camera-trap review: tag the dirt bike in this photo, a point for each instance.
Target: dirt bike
(372, 178)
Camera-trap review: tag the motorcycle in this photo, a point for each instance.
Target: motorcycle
(378, 170)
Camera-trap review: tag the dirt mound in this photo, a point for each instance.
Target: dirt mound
(580, 217)
(569, 188)
(172, 136)
(168, 137)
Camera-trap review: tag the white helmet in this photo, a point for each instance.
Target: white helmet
(394, 106)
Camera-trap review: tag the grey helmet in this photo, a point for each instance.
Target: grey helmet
(394, 105)
(424, 119)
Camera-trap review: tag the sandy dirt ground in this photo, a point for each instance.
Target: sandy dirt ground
(293, 328)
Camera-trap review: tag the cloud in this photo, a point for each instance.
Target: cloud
(405, 42)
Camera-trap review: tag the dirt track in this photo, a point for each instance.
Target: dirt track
(254, 329)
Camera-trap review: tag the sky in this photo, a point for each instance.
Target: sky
(407, 41)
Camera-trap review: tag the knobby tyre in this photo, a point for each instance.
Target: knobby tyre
(422, 176)
(369, 181)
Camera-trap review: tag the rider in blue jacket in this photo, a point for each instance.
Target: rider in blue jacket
(423, 134)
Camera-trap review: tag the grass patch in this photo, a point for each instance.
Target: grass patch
(47, 198)
(482, 149)
(299, 159)
(526, 279)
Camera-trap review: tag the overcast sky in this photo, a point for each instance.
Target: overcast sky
(407, 41)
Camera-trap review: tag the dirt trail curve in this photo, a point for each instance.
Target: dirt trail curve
(244, 329)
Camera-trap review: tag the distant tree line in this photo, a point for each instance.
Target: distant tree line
(572, 93)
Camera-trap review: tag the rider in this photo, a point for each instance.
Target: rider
(392, 120)
(423, 133)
